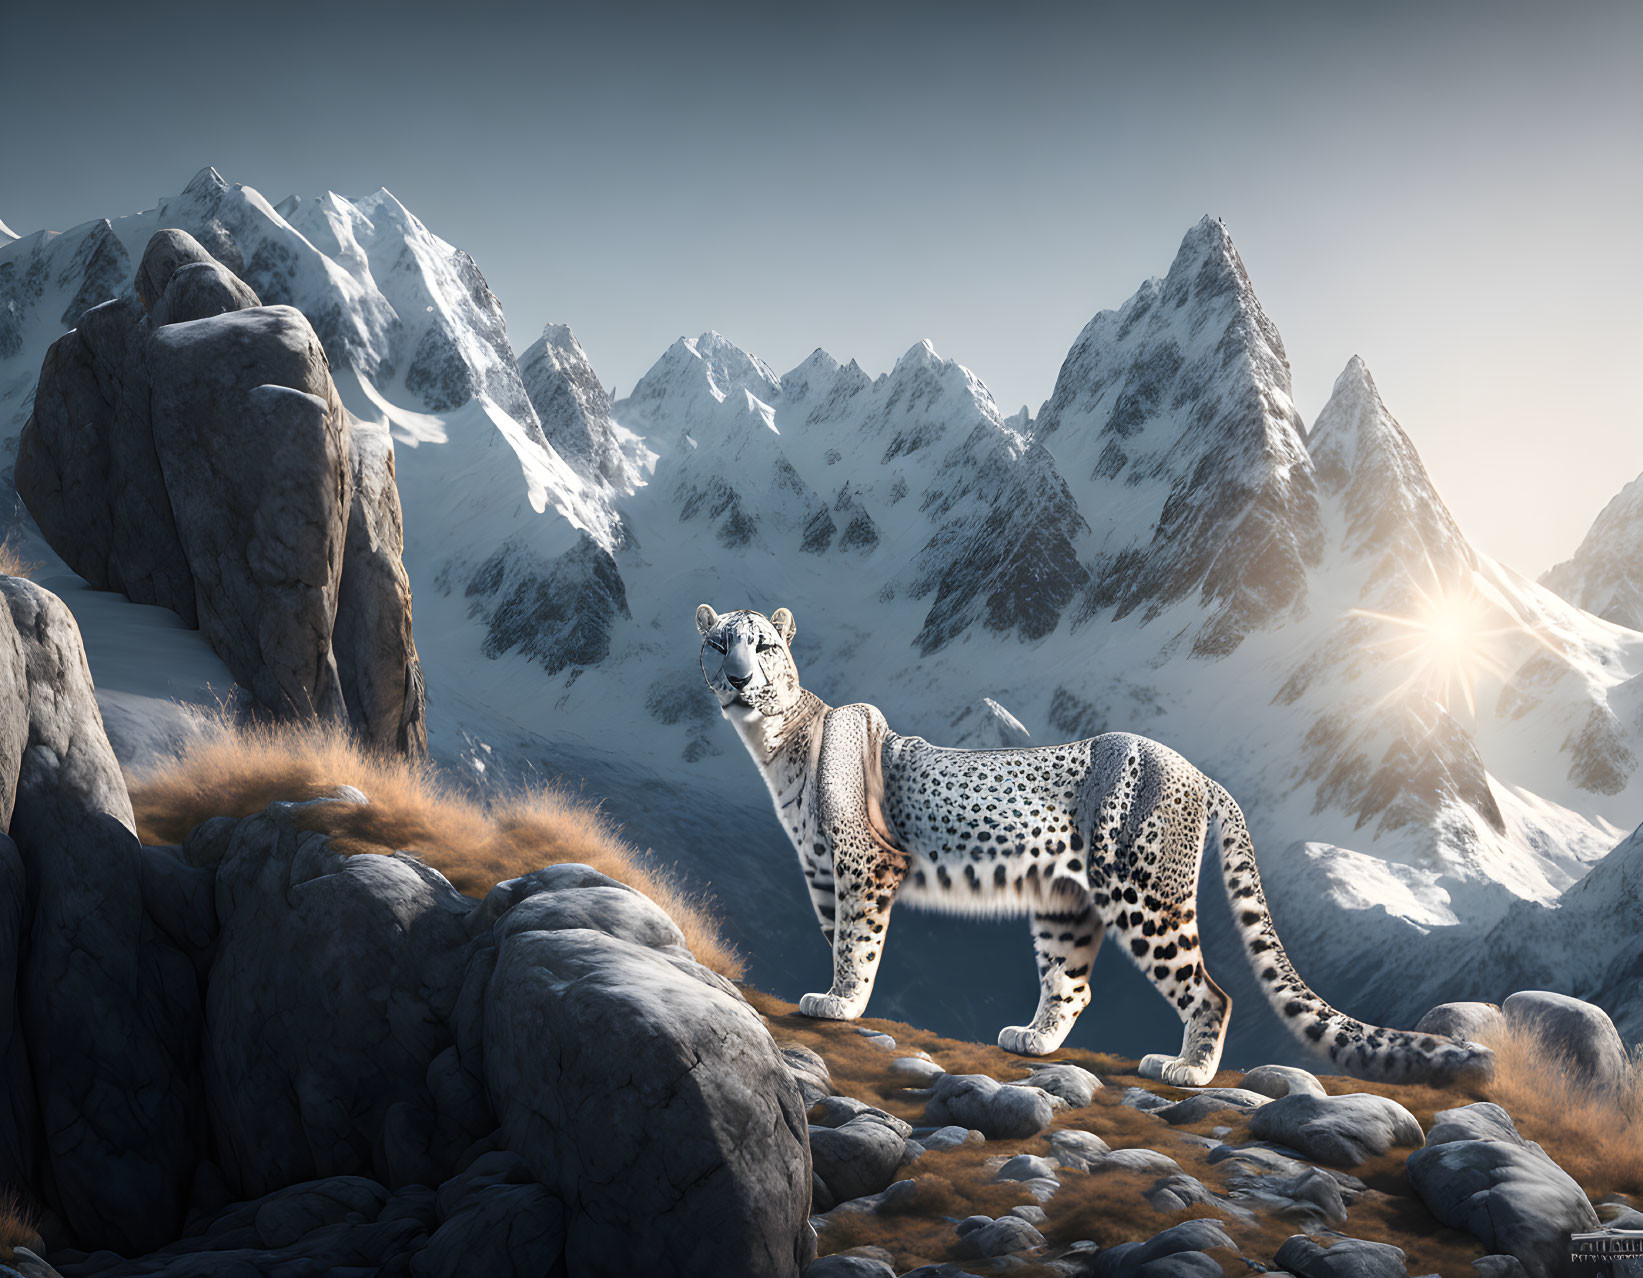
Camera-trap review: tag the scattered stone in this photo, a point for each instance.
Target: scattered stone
(1578, 1031)
(877, 1038)
(1499, 1267)
(1178, 1192)
(847, 1265)
(836, 1111)
(1147, 1102)
(1128, 1259)
(951, 1138)
(1032, 1213)
(1025, 1167)
(1072, 1083)
(1144, 1160)
(998, 1111)
(1282, 1080)
(1180, 1264)
(1204, 1103)
(1076, 1149)
(1468, 1022)
(999, 1237)
(915, 1071)
(1344, 1258)
(1483, 1177)
(1342, 1130)
(859, 1158)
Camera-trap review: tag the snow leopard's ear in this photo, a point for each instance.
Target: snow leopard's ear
(786, 627)
(706, 618)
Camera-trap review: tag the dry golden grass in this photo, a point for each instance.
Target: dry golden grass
(12, 564)
(1594, 1136)
(238, 771)
(17, 1225)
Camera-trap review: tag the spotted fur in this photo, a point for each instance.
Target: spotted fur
(1084, 838)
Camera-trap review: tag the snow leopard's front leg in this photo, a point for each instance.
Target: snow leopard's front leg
(818, 877)
(867, 869)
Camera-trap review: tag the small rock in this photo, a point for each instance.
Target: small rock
(1129, 1259)
(1145, 1160)
(1343, 1130)
(1178, 1192)
(1467, 1021)
(897, 1198)
(1282, 1080)
(1499, 1267)
(1344, 1258)
(998, 1237)
(1032, 1213)
(1210, 1100)
(857, 1159)
(845, 1265)
(1147, 1102)
(1025, 1167)
(1576, 1030)
(836, 1111)
(1076, 1149)
(951, 1138)
(1072, 1083)
(915, 1071)
(999, 1111)
(1180, 1264)
(877, 1038)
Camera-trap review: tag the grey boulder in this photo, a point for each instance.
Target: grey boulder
(998, 1111)
(1466, 1021)
(1001, 1237)
(1072, 1083)
(845, 1266)
(1343, 1258)
(856, 1159)
(1282, 1080)
(1339, 1130)
(1128, 1259)
(1479, 1174)
(1578, 1032)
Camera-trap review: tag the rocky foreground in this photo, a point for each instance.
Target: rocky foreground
(934, 1157)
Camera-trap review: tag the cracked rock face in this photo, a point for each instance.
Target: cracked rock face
(1478, 1174)
(252, 1050)
(197, 456)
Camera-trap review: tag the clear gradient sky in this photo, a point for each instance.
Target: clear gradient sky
(1452, 190)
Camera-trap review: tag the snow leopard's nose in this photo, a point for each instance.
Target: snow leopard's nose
(739, 681)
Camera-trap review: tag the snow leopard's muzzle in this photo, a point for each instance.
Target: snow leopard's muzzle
(745, 660)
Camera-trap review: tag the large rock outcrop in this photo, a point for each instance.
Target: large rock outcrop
(189, 449)
(250, 1052)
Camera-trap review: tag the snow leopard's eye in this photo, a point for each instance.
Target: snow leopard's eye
(765, 646)
(718, 644)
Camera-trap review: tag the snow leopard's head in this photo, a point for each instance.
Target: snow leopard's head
(747, 662)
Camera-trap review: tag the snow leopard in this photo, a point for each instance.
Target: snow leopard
(1086, 838)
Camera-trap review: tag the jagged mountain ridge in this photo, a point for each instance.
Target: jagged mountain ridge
(936, 554)
(1605, 574)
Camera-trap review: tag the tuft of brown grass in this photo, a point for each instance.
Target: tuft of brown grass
(1594, 1135)
(12, 564)
(17, 1225)
(236, 771)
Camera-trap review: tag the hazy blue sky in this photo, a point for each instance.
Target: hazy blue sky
(1452, 191)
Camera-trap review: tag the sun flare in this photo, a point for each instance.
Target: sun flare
(1448, 641)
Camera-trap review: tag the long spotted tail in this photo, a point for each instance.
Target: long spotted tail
(1366, 1051)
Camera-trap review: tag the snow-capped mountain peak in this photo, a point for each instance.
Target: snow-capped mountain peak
(1388, 503)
